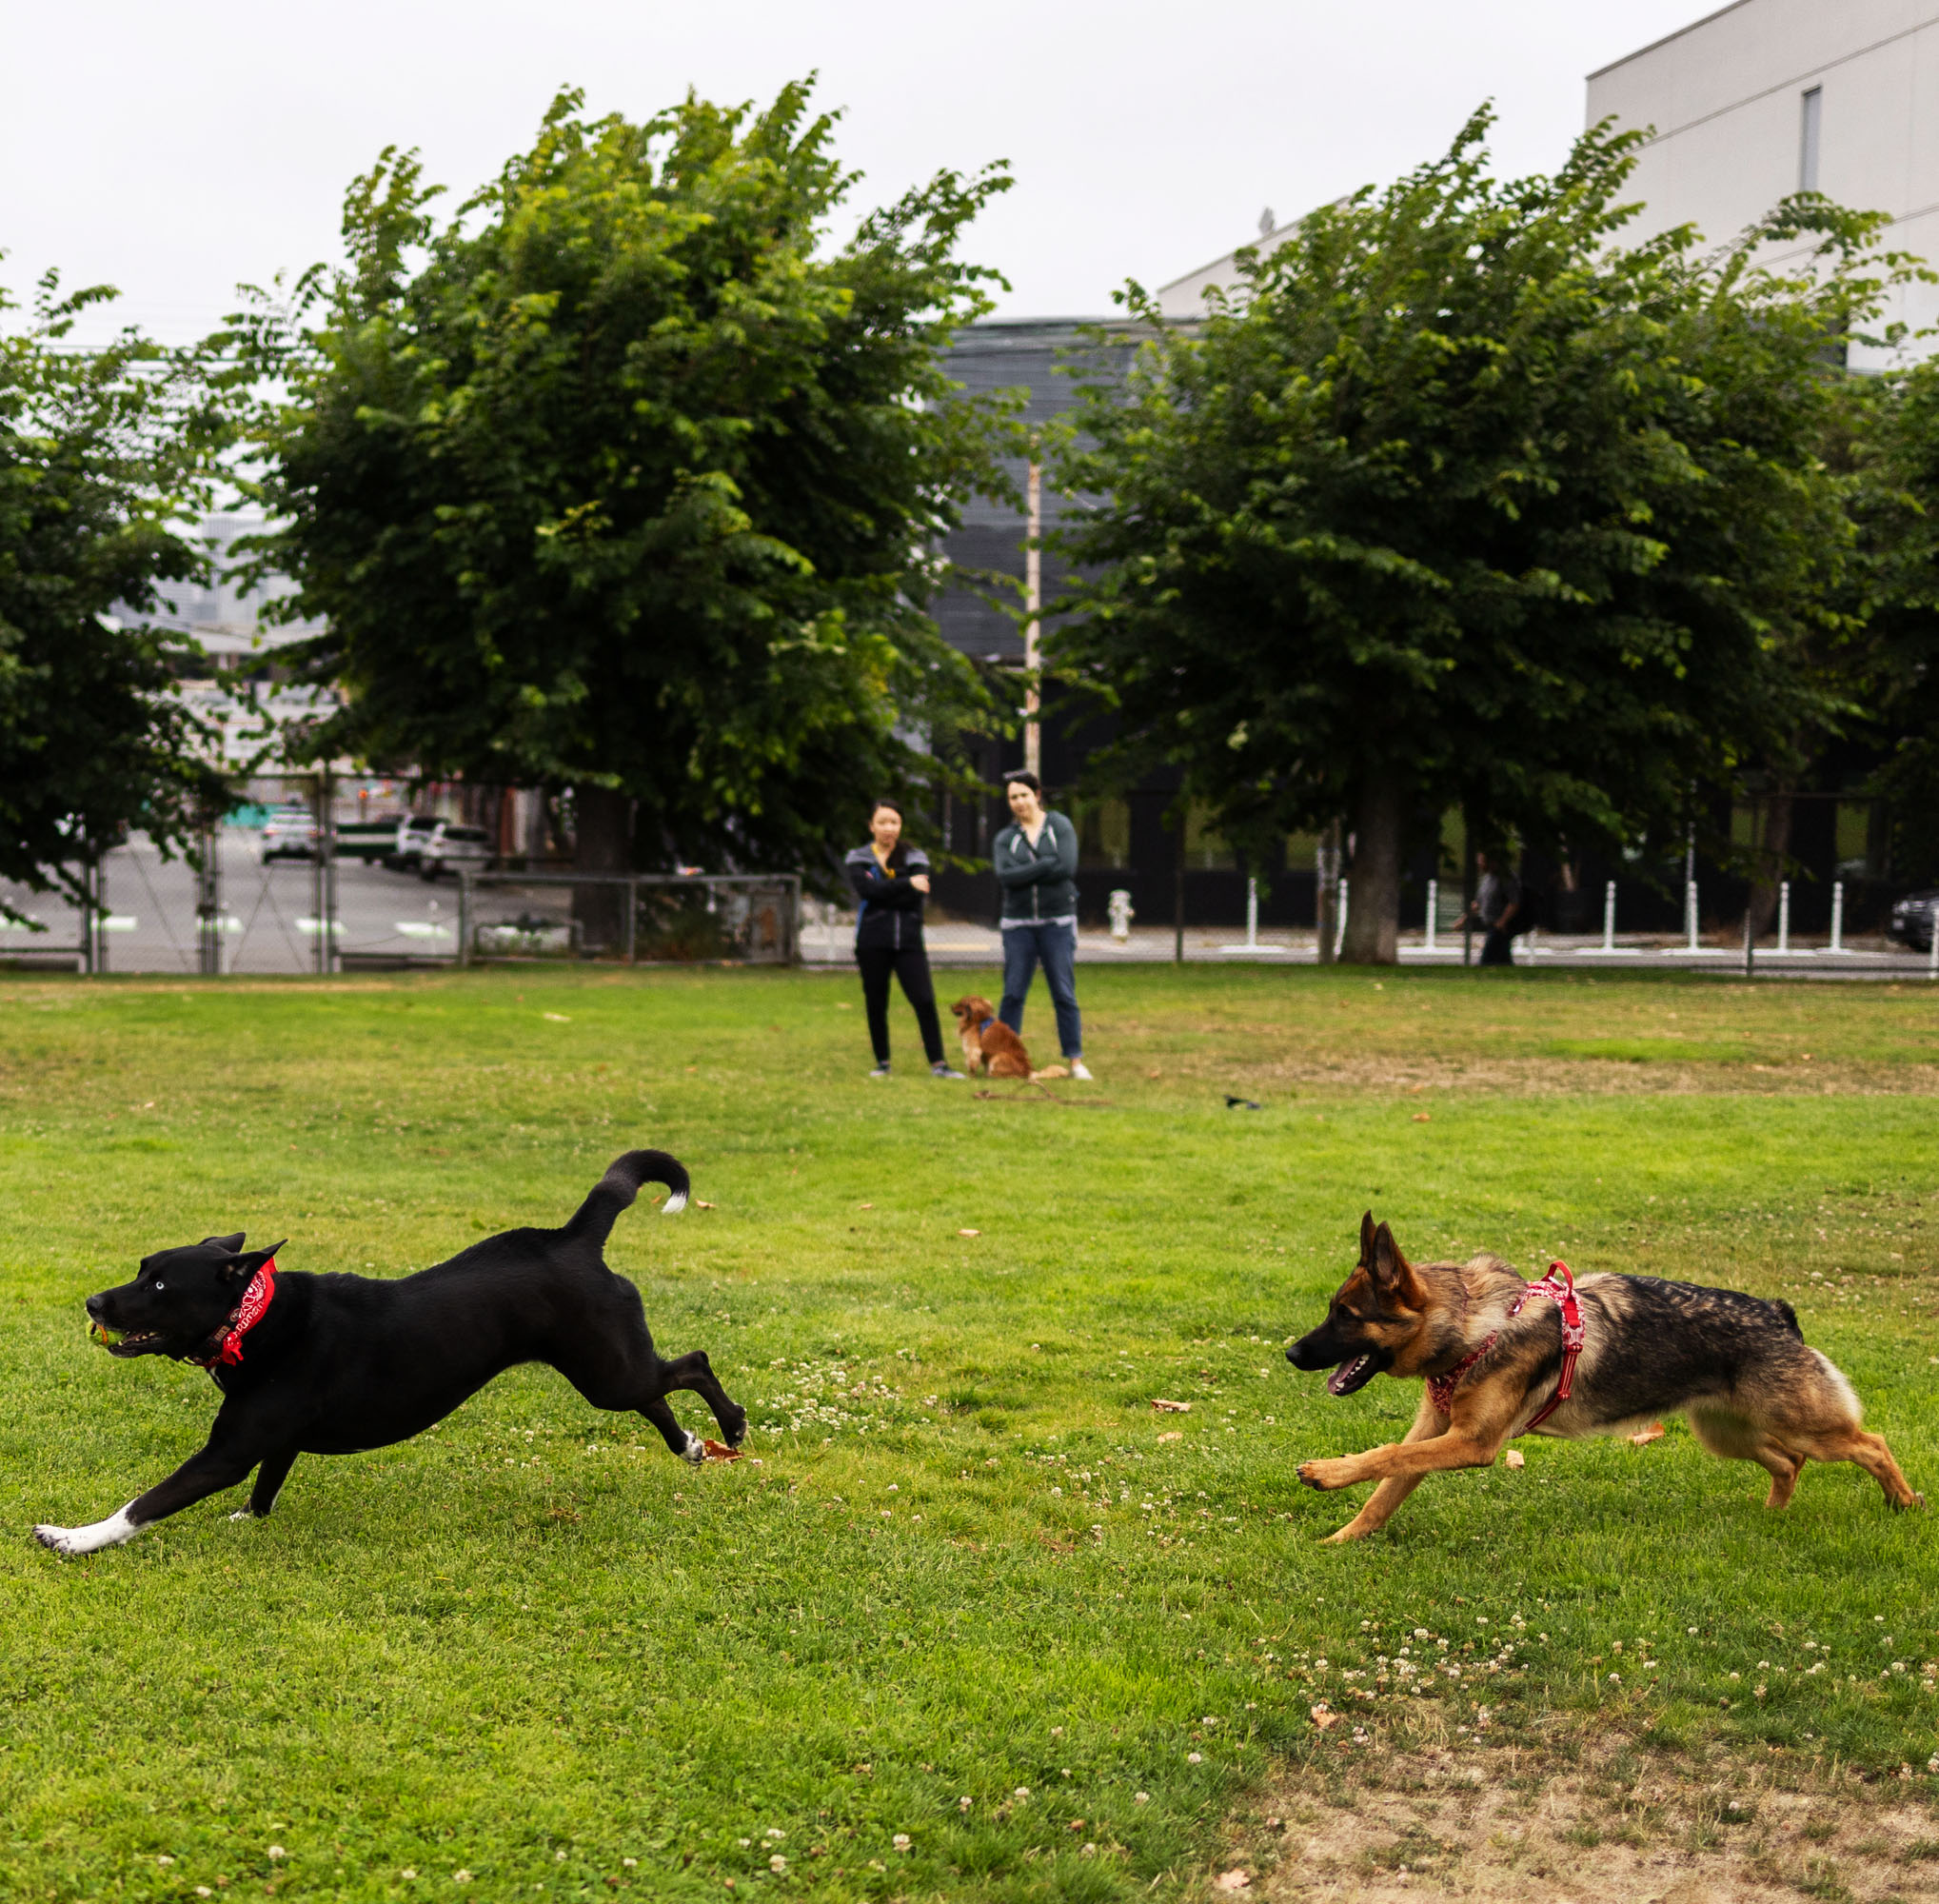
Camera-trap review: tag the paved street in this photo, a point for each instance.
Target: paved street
(269, 913)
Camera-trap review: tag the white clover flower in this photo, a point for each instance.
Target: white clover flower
(901, 1840)
(1194, 1759)
(1144, 1798)
(776, 1862)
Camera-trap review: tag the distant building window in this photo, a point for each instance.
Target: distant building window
(1807, 139)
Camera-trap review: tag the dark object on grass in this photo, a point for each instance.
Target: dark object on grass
(1233, 1103)
(334, 1364)
(1497, 1362)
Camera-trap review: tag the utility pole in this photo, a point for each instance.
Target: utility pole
(1032, 610)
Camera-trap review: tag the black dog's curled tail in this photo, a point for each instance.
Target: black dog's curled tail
(617, 1189)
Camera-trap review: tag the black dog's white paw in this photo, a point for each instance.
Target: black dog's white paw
(695, 1451)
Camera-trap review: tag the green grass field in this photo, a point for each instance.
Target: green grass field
(976, 1622)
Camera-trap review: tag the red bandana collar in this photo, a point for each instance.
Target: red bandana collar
(225, 1344)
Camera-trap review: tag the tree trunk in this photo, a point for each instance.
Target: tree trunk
(1771, 851)
(602, 842)
(1373, 883)
(1326, 891)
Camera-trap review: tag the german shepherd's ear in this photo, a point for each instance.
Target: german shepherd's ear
(1367, 1234)
(1383, 1260)
(241, 1266)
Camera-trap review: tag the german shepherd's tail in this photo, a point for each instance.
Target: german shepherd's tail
(614, 1191)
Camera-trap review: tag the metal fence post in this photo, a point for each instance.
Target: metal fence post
(465, 877)
(208, 904)
(632, 919)
(1749, 940)
(323, 884)
(97, 962)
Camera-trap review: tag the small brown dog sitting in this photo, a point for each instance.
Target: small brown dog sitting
(989, 1045)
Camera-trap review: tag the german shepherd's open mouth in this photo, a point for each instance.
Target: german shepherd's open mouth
(1356, 1373)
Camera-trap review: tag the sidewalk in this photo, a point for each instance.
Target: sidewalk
(955, 943)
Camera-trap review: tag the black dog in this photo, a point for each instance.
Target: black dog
(334, 1364)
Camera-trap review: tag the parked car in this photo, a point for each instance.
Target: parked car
(1912, 920)
(289, 833)
(451, 846)
(408, 848)
(367, 840)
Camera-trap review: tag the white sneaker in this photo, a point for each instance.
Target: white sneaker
(1080, 1071)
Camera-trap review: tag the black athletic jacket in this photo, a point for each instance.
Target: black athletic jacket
(890, 917)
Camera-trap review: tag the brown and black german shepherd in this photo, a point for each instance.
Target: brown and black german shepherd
(1736, 1365)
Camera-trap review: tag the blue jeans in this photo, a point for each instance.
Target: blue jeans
(1056, 947)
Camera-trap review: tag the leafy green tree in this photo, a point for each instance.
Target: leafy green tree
(106, 456)
(623, 481)
(1894, 452)
(1455, 501)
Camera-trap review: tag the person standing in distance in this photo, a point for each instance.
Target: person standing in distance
(891, 879)
(1035, 858)
(1496, 905)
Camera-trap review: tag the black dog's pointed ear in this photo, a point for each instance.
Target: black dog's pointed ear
(1384, 1258)
(1366, 1240)
(230, 1244)
(247, 1264)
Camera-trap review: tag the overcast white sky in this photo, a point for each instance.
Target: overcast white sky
(173, 148)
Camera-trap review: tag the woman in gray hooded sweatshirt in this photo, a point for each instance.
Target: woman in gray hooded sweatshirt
(1036, 860)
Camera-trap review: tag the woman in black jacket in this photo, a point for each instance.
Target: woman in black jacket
(891, 879)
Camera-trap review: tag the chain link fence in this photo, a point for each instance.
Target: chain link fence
(318, 873)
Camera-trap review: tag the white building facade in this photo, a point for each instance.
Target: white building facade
(1768, 97)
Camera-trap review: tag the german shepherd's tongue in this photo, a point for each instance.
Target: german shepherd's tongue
(1349, 1375)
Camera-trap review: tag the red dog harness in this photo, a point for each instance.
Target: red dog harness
(1441, 1388)
(225, 1344)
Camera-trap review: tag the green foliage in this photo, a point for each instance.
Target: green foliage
(1455, 501)
(619, 480)
(1893, 448)
(104, 455)
(518, 1636)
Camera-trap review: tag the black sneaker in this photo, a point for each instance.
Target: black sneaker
(881, 1070)
(939, 1069)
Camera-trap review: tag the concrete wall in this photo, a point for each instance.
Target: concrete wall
(1725, 101)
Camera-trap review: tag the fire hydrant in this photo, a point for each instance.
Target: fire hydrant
(1122, 915)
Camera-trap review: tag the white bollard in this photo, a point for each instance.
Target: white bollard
(1341, 909)
(1608, 948)
(1434, 900)
(1121, 913)
(1690, 913)
(1252, 923)
(1783, 918)
(1837, 943)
